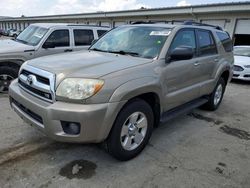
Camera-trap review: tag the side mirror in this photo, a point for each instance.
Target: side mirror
(47, 45)
(181, 53)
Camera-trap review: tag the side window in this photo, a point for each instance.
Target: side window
(83, 37)
(226, 41)
(184, 38)
(59, 38)
(206, 43)
(101, 32)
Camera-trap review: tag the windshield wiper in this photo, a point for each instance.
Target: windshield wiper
(22, 41)
(99, 50)
(124, 53)
(117, 52)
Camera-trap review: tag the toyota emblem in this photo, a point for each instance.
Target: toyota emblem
(30, 79)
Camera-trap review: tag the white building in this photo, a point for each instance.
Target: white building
(233, 17)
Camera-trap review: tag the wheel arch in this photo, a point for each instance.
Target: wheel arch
(145, 89)
(12, 63)
(225, 75)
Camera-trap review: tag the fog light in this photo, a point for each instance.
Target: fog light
(71, 128)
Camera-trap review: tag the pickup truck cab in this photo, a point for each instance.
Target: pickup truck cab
(41, 40)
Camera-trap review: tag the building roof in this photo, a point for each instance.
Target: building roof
(51, 25)
(193, 9)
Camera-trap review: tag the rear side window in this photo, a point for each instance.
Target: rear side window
(101, 32)
(60, 38)
(206, 43)
(226, 41)
(83, 37)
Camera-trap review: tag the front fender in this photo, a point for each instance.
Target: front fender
(137, 87)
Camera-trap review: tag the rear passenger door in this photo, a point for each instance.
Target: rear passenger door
(82, 38)
(57, 42)
(207, 61)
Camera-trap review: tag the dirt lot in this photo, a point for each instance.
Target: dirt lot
(200, 149)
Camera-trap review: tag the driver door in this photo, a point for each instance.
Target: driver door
(57, 42)
(182, 78)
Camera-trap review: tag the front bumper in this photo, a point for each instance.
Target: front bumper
(242, 75)
(95, 120)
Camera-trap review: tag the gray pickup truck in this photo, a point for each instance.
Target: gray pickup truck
(132, 78)
(43, 39)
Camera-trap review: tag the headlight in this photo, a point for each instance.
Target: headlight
(247, 66)
(78, 88)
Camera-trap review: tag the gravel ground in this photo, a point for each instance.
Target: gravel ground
(199, 149)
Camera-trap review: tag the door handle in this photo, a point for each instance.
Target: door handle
(196, 64)
(216, 60)
(68, 50)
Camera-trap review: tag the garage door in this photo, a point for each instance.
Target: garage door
(116, 24)
(220, 23)
(92, 23)
(243, 27)
(105, 24)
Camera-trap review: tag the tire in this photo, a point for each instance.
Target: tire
(7, 74)
(128, 144)
(216, 97)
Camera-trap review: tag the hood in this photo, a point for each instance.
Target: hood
(241, 60)
(11, 46)
(86, 64)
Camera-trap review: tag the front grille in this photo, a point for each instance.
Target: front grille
(35, 91)
(28, 111)
(236, 75)
(38, 77)
(37, 82)
(247, 76)
(238, 68)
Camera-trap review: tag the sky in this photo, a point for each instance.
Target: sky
(15, 8)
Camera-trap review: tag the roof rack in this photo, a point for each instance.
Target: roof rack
(184, 22)
(142, 22)
(87, 25)
(190, 22)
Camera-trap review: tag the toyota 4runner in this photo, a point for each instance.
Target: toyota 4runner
(132, 78)
(40, 40)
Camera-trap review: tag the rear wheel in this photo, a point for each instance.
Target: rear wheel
(131, 131)
(7, 74)
(216, 97)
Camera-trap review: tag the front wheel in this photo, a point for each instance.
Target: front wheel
(216, 97)
(131, 131)
(7, 74)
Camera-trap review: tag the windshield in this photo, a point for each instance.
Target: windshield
(139, 41)
(32, 35)
(242, 51)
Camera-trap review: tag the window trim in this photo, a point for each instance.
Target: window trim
(229, 37)
(59, 30)
(198, 45)
(196, 42)
(83, 29)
